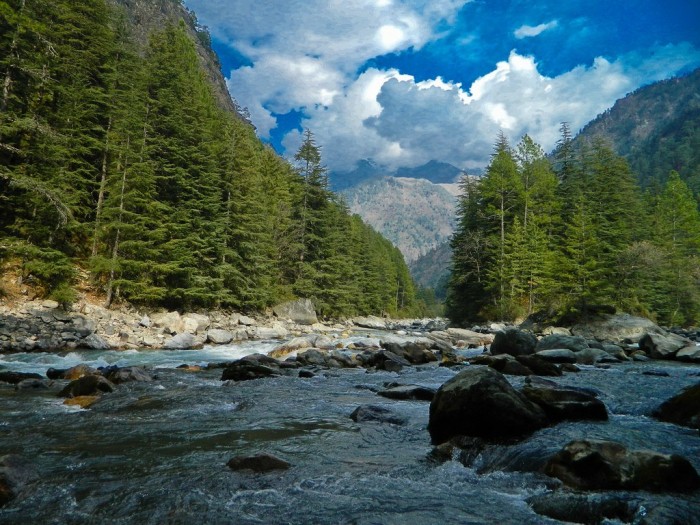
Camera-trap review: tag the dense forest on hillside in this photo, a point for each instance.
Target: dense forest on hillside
(570, 235)
(657, 129)
(116, 158)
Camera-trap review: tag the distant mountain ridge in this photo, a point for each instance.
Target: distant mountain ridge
(434, 171)
(415, 214)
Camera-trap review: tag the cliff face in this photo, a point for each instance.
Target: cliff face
(146, 16)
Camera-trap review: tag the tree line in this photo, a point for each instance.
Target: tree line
(118, 161)
(568, 234)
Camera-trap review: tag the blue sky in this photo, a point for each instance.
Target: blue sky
(403, 82)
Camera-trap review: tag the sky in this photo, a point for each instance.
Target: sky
(403, 82)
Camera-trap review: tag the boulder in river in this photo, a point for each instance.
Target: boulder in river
(87, 386)
(616, 328)
(557, 355)
(17, 377)
(412, 352)
(665, 346)
(408, 392)
(573, 343)
(254, 366)
(182, 341)
(377, 414)
(689, 353)
(514, 342)
(607, 465)
(258, 463)
(480, 402)
(219, 336)
(15, 473)
(682, 409)
(76, 372)
(127, 374)
(301, 311)
(562, 403)
(539, 366)
(371, 321)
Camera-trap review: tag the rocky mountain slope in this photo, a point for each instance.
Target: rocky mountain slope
(657, 128)
(415, 214)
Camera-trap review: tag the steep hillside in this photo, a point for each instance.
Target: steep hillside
(415, 214)
(432, 269)
(657, 128)
(147, 16)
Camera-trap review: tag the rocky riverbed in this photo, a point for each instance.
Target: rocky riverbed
(365, 421)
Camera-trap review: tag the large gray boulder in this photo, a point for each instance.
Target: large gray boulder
(606, 465)
(371, 321)
(480, 402)
(514, 342)
(301, 311)
(689, 353)
(616, 328)
(664, 346)
(182, 341)
(219, 336)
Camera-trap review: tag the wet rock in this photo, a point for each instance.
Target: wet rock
(389, 361)
(83, 402)
(585, 508)
(662, 346)
(33, 384)
(312, 357)
(218, 336)
(306, 374)
(514, 342)
(606, 465)
(77, 372)
(301, 311)
(258, 463)
(376, 413)
(87, 386)
(128, 374)
(248, 369)
(593, 356)
(480, 402)
(183, 341)
(557, 355)
(56, 373)
(408, 392)
(555, 341)
(412, 352)
(293, 345)
(539, 366)
(556, 330)
(17, 377)
(656, 373)
(561, 403)
(682, 409)
(15, 473)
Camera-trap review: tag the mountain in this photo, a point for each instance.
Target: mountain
(657, 129)
(434, 171)
(432, 269)
(415, 214)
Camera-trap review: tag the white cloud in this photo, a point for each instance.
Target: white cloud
(526, 31)
(441, 120)
(305, 57)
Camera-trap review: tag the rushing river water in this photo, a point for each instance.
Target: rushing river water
(156, 452)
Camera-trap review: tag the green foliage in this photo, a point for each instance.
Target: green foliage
(531, 239)
(121, 160)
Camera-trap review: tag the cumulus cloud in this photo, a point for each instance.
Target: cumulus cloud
(421, 121)
(304, 54)
(526, 31)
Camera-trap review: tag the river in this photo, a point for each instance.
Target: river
(156, 452)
